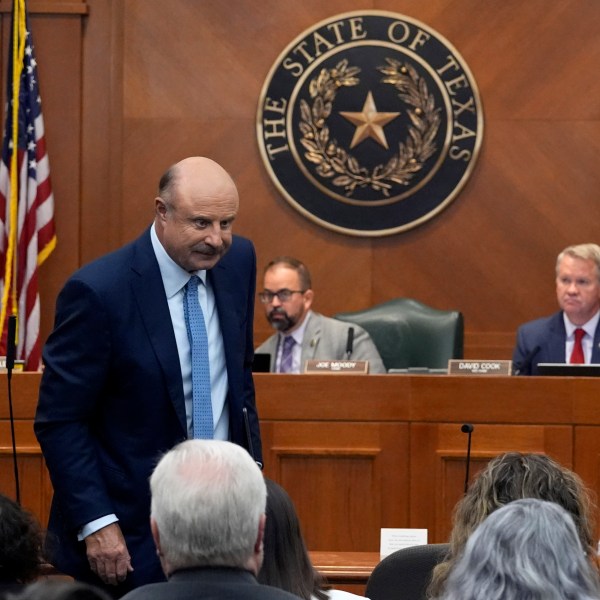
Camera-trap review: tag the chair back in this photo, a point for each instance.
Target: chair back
(405, 574)
(408, 333)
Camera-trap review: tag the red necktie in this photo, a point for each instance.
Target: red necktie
(577, 354)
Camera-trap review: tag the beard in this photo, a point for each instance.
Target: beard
(283, 322)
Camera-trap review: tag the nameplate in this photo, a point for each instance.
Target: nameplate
(355, 367)
(19, 365)
(479, 367)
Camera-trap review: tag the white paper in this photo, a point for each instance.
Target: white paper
(393, 539)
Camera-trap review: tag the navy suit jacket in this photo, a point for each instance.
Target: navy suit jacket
(543, 341)
(111, 397)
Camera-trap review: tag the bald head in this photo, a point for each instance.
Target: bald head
(194, 211)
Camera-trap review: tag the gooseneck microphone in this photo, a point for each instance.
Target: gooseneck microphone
(350, 342)
(524, 367)
(11, 352)
(468, 429)
(11, 349)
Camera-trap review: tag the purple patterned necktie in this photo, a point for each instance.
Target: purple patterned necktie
(287, 355)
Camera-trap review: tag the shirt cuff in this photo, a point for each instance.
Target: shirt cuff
(95, 525)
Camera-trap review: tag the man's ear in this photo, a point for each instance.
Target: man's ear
(308, 298)
(160, 207)
(258, 546)
(155, 535)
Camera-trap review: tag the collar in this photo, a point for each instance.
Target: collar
(173, 276)
(589, 327)
(217, 573)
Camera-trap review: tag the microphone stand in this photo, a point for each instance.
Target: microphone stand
(468, 429)
(10, 363)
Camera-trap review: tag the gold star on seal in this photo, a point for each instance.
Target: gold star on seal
(369, 123)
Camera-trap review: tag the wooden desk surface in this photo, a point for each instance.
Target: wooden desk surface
(349, 567)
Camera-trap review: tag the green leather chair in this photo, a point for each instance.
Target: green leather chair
(410, 334)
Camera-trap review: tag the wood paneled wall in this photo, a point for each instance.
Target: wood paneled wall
(130, 87)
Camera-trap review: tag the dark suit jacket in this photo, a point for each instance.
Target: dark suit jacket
(216, 583)
(111, 396)
(543, 341)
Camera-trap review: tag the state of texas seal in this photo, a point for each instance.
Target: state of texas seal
(369, 123)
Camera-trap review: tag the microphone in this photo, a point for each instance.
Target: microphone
(468, 429)
(11, 349)
(524, 367)
(248, 434)
(350, 342)
(11, 352)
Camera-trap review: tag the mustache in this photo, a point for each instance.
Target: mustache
(208, 250)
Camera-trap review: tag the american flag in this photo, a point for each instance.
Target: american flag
(27, 234)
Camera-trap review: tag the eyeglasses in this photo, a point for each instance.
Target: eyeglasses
(283, 295)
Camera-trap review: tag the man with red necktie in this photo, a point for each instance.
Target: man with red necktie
(572, 334)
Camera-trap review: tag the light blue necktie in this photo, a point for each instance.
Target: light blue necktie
(202, 418)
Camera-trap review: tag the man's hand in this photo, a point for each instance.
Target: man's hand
(107, 554)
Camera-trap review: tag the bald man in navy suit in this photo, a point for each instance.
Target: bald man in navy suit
(551, 339)
(116, 392)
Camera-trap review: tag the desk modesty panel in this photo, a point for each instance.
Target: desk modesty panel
(358, 453)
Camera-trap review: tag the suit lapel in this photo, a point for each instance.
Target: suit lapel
(149, 294)
(312, 337)
(555, 346)
(596, 346)
(224, 290)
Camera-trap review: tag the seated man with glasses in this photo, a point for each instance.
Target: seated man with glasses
(572, 334)
(303, 334)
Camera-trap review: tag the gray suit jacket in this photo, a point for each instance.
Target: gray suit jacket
(325, 339)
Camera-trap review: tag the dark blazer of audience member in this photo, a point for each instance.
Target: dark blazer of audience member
(286, 563)
(527, 549)
(551, 339)
(208, 521)
(513, 476)
(21, 542)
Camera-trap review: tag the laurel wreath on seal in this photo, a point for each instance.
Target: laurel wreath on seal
(334, 161)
